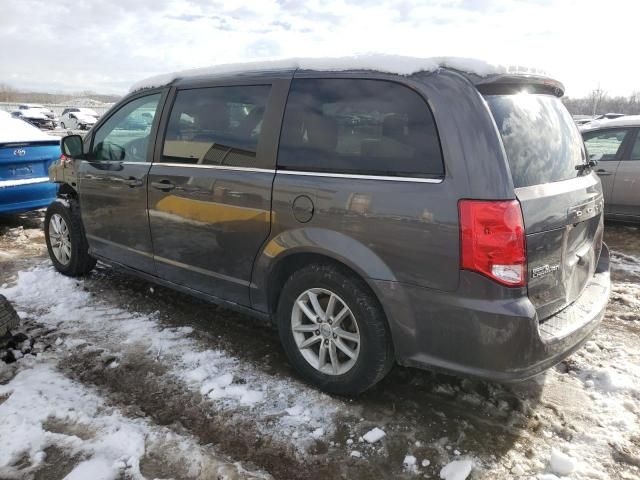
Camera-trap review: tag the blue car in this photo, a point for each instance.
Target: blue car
(25, 156)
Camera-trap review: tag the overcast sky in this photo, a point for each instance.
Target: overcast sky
(106, 45)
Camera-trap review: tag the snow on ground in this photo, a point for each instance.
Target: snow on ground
(230, 383)
(578, 421)
(43, 410)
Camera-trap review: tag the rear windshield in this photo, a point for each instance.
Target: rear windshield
(542, 143)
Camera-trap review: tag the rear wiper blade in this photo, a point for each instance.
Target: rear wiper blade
(586, 166)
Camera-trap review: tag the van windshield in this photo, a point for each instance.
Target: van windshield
(541, 141)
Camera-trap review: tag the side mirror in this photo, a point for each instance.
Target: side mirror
(72, 146)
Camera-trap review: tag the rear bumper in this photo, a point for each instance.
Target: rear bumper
(499, 340)
(22, 198)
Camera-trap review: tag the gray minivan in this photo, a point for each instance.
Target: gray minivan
(438, 220)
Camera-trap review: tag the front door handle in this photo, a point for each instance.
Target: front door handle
(164, 185)
(602, 172)
(134, 182)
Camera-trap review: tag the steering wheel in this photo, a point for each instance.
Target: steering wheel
(136, 150)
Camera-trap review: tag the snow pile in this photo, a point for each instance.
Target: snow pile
(560, 463)
(13, 130)
(231, 384)
(44, 409)
(409, 464)
(397, 64)
(373, 435)
(456, 470)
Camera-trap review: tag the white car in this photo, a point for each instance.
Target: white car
(36, 115)
(78, 118)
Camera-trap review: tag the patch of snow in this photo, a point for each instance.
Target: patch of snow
(409, 464)
(456, 470)
(39, 395)
(425, 463)
(356, 454)
(561, 463)
(13, 130)
(396, 64)
(230, 384)
(373, 435)
(97, 469)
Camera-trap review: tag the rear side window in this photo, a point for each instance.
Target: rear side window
(216, 126)
(370, 127)
(635, 152)
(540, 139)
(604, 145)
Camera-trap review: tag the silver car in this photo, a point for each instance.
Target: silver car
(615, 144)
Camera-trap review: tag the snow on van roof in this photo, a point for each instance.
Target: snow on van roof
(397, 64)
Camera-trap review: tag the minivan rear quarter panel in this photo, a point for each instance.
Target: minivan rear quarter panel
(408, 234)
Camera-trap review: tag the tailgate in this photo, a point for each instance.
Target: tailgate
(564, 227)
(24, 163)
(561, 198)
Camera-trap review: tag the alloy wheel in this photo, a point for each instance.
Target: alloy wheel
(60, 239)
(325, 331)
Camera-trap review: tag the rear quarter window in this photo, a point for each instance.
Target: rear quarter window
(359, 126)
(604, 145)
(542, 142)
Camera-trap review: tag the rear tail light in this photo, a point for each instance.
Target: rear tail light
(492, 240)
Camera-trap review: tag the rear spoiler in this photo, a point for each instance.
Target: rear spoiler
(516, 83)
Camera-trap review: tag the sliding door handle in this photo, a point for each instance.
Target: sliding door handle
(133, 182)
(164, 185)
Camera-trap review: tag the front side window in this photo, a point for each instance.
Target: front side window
(357, 126)
(216, 126)
(604, 145)
(125, 136)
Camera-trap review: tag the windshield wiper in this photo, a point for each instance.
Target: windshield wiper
(586, 166)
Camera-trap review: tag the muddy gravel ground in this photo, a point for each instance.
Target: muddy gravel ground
(114, 377)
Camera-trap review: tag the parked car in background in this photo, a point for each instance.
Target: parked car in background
(438, 220)
(26, 154)
(78, 118)
(608, 116)
(615, 145)
(41, 108)
(35, 116)
(582, 119)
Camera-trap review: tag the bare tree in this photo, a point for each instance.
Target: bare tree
(596, 96)
(6, 93)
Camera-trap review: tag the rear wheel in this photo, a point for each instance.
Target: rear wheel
(66, 242)
(333, 330)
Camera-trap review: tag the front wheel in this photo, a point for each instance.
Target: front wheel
(333, 330)
(66, 242)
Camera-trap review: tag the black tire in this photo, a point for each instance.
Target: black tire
(9, 319)
(376, 356)
(80, 262)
